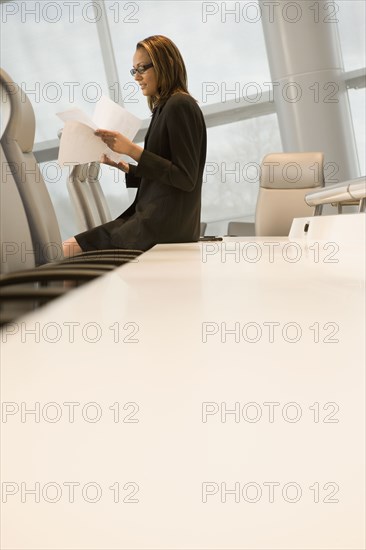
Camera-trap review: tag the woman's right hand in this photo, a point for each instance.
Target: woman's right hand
(120, 165)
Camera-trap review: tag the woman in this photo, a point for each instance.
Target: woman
(169, 168)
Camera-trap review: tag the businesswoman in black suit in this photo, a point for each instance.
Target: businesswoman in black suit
(169, 168)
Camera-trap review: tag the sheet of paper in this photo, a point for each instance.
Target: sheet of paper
(80, 145)
(79, 116)
(111, 116)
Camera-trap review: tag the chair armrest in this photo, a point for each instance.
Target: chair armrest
(81, 264)
(45, 275)
(116, 253)
(31, 293)
(109, 261)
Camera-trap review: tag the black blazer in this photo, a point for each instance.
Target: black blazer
(169, 179)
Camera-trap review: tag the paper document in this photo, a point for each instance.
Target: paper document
(80, 145)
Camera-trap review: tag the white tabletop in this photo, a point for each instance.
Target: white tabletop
(135, 375)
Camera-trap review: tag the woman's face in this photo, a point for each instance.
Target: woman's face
(147, 81)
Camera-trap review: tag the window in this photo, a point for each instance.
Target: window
(231, 179)
(351, 17)
(51, 49)
(358, 102)
(222, 45)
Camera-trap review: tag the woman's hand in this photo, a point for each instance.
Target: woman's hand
(120, 143)
(121, 165)
(115, 141)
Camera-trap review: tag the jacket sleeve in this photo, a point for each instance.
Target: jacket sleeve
(131, 179)
(185, 127)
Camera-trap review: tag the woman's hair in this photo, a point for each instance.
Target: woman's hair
(169, 67)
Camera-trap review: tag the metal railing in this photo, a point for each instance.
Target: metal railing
(346, 193)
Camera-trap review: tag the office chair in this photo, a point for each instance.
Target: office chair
(17, 141)
(22, 285)
(241, 229)
(87, 196)
(17, 252)
(15, 237)
(285, 180)
(18, 257)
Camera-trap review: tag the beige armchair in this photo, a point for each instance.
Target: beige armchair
(285, 180)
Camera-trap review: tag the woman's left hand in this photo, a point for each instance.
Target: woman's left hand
(115, 141)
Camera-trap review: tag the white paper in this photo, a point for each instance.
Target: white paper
(80, 145)
(108, 115)
(79, 116)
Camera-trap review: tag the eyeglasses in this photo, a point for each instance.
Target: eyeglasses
(141, 69)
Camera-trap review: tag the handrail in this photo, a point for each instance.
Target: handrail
(344, 193)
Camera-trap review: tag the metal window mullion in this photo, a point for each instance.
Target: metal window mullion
(107, 50)
(355, 79)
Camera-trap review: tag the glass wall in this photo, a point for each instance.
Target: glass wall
(222, 51)
(351, 16)
(358, 104)
(52, 51)
(351, 23)
(231, 180)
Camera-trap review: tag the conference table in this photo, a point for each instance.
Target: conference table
(206, 396)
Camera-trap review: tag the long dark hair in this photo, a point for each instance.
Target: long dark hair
(169, 67)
